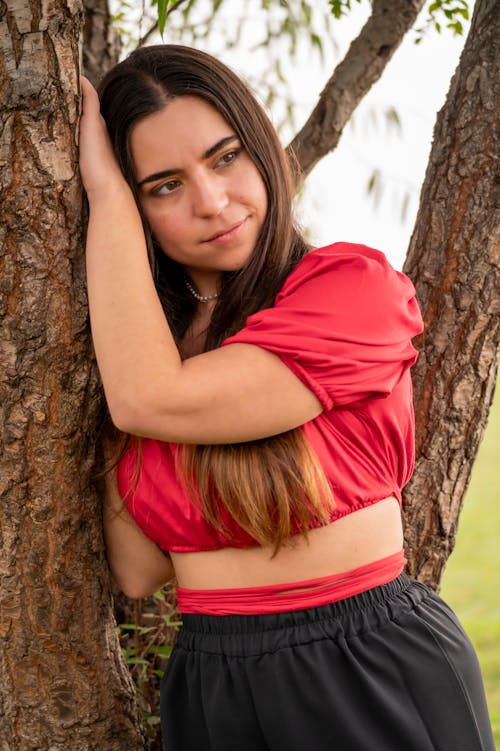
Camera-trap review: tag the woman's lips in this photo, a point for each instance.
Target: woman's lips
(227, 234)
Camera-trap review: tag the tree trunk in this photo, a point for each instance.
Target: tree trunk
(454, 259)
(353, 78)
(101, 41)
(63, 684)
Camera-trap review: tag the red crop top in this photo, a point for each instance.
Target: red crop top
(343, 323)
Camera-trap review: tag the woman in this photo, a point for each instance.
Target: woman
(270, 385)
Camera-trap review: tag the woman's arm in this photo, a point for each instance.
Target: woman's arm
(236, 393)
(138, 566)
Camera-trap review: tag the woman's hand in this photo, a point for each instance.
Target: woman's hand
(98, 166)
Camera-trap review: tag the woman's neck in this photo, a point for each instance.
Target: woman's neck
(193, 342)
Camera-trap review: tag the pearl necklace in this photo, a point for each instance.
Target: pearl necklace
(196, 295)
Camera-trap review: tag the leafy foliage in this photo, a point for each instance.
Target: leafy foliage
(146, 641)
(341, 8)
(451, 13)
(268, 30)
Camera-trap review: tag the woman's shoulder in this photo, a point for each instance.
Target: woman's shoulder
(343, 250)
(344, 268)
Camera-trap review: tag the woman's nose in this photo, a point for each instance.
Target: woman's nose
(210, 195)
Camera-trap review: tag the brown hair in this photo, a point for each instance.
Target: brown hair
(264, 484)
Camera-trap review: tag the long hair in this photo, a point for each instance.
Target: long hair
(270, 490)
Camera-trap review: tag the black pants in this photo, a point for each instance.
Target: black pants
(387, 670)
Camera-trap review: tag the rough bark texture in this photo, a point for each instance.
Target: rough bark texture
(101, 42)
(353, 78)
(63, 684)
(454, 260)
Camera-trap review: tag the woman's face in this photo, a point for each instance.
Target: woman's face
(202, 195)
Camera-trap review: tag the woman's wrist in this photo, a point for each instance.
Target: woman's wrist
(111, 189)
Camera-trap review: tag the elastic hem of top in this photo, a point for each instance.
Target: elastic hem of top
(358, 506)
(358, 606)
(338, 606)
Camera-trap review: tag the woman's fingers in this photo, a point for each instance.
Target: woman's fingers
(98, 166)
(90, 98)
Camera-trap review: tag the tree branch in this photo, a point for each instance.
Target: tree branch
(363, 65)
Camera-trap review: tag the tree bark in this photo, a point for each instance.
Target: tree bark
(363, 65)
(454, 260)
(101, 41)
(63, 684)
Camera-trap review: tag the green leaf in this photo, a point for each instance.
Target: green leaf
(145, 629)
(307, 11)
(162, 15)
(186, 10)
(136, 661)
(279, 72)
(434, 6)
(340, 7)
(336, 6)
(372, 181)
(392, 117)
(153, 719)
(316, 42)
(456, 27)
(170, 621)
(269, 101)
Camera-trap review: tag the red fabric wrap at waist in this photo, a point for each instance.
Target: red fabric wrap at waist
(278, 598)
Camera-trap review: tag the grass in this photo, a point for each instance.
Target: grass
(471, 582)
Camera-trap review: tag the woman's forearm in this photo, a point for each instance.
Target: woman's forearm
(134, 347)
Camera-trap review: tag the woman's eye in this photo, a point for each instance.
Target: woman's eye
(228, 157)
(165, 188)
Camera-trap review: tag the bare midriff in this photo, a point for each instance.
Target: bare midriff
(356, 540)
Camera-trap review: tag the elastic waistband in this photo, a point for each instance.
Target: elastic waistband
(278, 598)
(247, 635)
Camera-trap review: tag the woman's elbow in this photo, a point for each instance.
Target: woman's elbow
(135, 591)
(137, 588)
(129, 416)
(153, 422)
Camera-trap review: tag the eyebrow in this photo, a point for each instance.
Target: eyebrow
(206, 155)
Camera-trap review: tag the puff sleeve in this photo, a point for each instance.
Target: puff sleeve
(343, 323)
